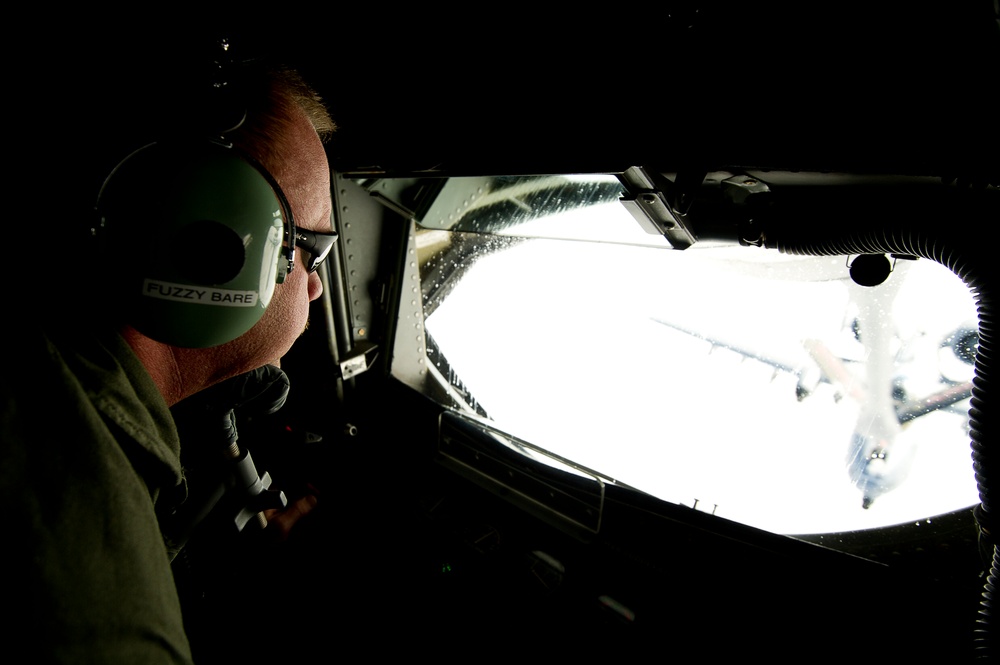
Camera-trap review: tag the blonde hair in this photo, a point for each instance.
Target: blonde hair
(276, 97)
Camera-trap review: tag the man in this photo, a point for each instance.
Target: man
(297, 160)
(89, 450)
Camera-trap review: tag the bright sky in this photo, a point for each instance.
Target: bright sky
(560, 342)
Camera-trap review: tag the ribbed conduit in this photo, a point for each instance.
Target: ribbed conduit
(949, 226)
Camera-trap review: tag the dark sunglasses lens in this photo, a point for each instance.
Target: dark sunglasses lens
(317, 245)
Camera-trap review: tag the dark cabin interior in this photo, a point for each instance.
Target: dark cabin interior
(405, 556)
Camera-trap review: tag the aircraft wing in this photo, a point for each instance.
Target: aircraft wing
(819, 364)
(941, 399)
(793, 361)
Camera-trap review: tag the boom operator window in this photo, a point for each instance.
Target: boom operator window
(735, 380)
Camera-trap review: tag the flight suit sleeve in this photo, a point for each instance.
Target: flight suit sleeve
(95, 583)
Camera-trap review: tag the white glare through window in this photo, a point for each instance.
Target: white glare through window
(767, 389)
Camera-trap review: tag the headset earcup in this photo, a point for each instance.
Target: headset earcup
(193, 234)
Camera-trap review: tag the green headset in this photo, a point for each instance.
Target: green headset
(199, 233)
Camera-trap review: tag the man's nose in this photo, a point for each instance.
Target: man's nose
(315, 286)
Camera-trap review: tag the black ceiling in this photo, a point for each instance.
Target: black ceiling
(906, 87)
(815, 88)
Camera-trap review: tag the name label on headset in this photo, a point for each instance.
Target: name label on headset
(202, 295)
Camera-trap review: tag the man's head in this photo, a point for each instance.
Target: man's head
(283, 133)
(287, 140)
(195, 228)
(94, 99)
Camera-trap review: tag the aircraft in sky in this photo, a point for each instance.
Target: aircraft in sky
(874, 367)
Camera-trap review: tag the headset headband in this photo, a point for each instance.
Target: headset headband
(195, 233)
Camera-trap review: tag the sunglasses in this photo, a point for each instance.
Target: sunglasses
(317, 245)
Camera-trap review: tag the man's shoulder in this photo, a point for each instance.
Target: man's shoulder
(80, 489)
(89, 384)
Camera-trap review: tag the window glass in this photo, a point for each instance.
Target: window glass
(765, 388)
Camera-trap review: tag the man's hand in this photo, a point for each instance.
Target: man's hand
(281, 520)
